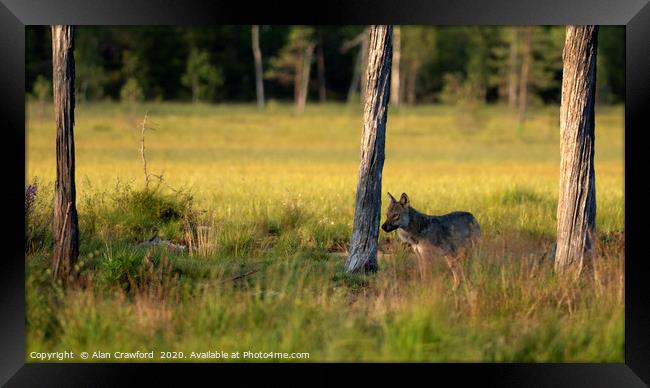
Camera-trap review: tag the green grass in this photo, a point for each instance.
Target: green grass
(265, 204)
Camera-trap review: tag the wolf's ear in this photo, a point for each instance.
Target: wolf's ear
(404, 200)
(392, 199)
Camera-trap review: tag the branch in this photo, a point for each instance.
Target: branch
(162, 180)
(144, 158)
(348, 44)
(240, 276)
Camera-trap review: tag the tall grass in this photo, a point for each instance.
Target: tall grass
(264, 202)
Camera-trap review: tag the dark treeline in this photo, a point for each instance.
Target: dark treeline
(216, 63)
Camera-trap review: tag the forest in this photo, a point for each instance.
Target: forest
(216, 64)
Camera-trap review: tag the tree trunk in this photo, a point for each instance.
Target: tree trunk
(394, 86)
(195, 94)
(66, 232)
(297, 78)
(576, 211)
(512, 64)
(411, 79)
(403, 80)
(365, 230)
(322, 90)
(304, 78)
(257, 55)
(360, 66)
(356, 75)
(525, 70)
(84, 92)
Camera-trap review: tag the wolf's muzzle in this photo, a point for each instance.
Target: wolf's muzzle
(388, 227)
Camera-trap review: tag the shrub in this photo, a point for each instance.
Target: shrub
(140, 214)
(42, 90)
(131, 92)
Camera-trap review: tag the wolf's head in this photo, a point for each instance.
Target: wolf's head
(397, 215)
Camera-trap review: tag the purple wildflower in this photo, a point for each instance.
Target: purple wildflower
(30, 195)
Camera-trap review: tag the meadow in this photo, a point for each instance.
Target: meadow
(264, 202)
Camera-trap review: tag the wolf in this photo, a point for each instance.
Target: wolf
(448, 236)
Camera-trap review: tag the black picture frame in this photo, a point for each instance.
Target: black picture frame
(16, 14)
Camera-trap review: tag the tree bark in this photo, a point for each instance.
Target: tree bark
(576, 211)
(365, 230)
(66, 230)
(411, 81)
(525, 70)
(403, 77)
(297, 77)
(512, 64)
(322, 89)
(356, 75)
(364, 62)
(395, 80)
(257, 55)
(304, 78)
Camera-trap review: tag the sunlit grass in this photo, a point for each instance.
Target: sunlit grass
(274, 193)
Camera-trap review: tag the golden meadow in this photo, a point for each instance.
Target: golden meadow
(264, 202)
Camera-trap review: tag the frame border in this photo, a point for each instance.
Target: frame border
(634, 14)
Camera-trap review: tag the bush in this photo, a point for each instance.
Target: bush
(131, 92)
(141, 214)
(200, 76)
(42, 89)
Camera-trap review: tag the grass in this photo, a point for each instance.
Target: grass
(264, 201)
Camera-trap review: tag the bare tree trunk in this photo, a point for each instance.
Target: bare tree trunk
(394, 87)
(403, 80)
(512, 64)
(356, 75)
(84, 92)
(195, 94)
(411, 79)
(322, 90)
(297, 78)
(525, 70)
(257, 55)
(360, 65)
(365, 230)
(304, 78)
(576, 211)
(66, 230)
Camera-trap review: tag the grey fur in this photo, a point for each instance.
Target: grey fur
(432, 236)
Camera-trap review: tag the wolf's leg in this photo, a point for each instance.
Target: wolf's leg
(456, 270)
(473, 249)
(419, 261)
